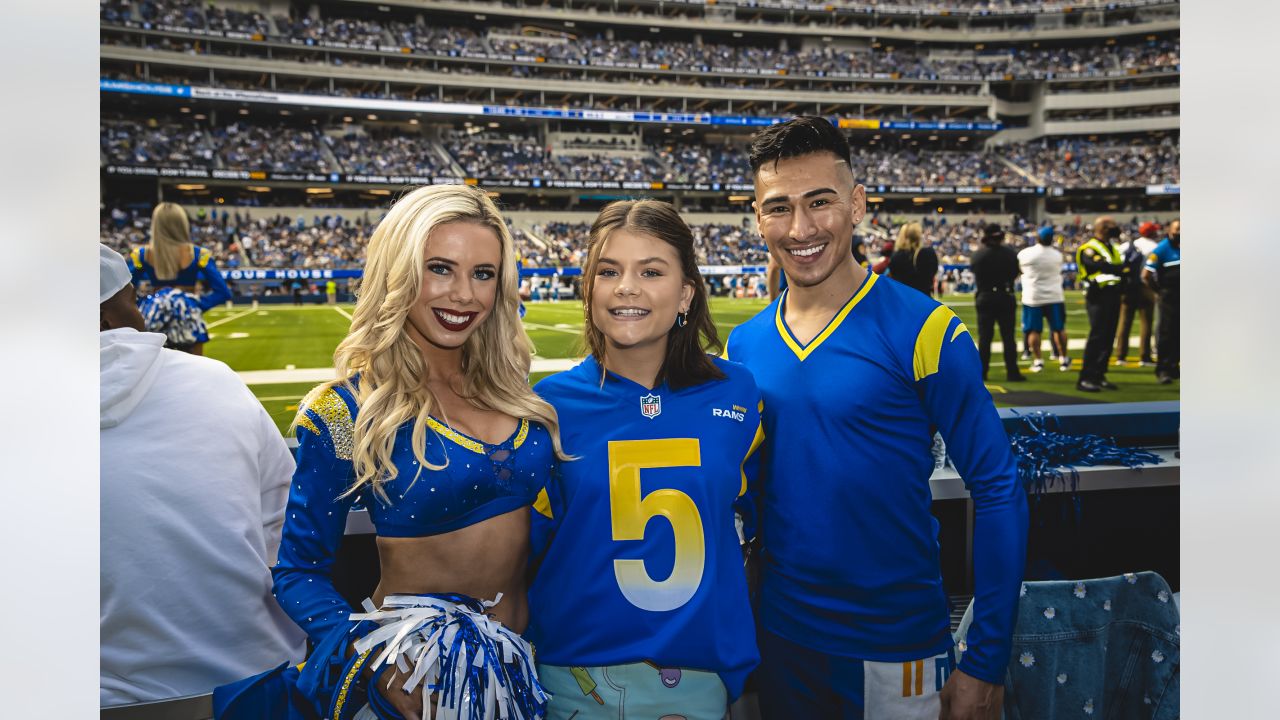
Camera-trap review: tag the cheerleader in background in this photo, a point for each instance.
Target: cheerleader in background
(172, 266)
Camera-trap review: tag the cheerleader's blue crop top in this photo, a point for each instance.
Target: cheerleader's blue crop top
(479, 481)
(202, 267)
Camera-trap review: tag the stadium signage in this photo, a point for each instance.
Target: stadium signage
(439, 108)
(959, 189)
(542, 183)
(352, 273)
(1164, 190)
(290, 274)
(144, 88)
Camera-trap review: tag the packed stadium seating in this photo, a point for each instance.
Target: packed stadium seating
(243, 145)
(709, 58)
(336, 239)
(1072, 162)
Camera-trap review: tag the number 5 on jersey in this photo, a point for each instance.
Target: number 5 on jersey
(630, 513)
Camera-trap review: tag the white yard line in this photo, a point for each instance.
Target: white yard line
(318, 375)
(238, 315)
(539, 326)
(338, 309)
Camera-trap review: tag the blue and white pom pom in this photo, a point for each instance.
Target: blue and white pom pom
(1043, 453)
(175, 314)
(479, 669)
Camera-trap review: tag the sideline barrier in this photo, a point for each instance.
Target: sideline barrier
(189, 707)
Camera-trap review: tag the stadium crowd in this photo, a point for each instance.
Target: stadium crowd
(600, 50)
(337, 241)
(280, 148)
(154, 143)
(1078, 163)
(388, 153)
(331, 241)
(284, 148)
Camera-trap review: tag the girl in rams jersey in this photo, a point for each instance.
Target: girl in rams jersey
(639, 602)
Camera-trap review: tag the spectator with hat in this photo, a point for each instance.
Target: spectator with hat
(194, 480)
(1043, 298)
(995, 268)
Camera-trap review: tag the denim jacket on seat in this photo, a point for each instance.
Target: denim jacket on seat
(1104, 648)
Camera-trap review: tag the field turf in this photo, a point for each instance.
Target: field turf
(287, 337)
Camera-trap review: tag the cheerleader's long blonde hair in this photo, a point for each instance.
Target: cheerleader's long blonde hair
(392, 387)
(170, 240)
(910, 239)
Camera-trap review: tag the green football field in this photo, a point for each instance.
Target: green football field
(290, 340)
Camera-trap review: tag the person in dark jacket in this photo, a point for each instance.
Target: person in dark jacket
(913, 263)
(995, 267)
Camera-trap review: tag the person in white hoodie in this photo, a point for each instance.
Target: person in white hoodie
(194, 482)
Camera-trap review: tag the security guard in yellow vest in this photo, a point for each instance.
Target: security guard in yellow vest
(1101, 267)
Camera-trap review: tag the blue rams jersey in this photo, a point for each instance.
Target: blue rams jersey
(202, 267)
(850, 548)
(642, 559)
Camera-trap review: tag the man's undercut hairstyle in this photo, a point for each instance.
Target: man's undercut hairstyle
(797, 137)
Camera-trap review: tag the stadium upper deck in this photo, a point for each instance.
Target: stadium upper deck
(695, 88)
(569, 48)
(431, 51)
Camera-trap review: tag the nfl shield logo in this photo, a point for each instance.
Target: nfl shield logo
(650, 405)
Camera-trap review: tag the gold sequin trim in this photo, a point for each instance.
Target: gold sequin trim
(455, 436)
(472, 444)
(346, 683)
(305, 422)
(336, 416)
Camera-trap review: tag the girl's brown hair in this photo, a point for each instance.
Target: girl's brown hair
(687, 362)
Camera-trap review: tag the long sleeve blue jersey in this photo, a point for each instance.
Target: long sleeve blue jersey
(851, 562)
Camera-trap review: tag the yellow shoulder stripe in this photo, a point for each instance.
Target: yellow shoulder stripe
(928, 350)
(334, 414)
(205, 256)
(756, 442)
(135, 258)
(959, 329)
(304, 421)
(543, 503)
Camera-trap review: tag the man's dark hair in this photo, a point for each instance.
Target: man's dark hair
(796, 137)
(992, 234)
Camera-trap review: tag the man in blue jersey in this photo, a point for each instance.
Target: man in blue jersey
(1161, 272)
(856, 374)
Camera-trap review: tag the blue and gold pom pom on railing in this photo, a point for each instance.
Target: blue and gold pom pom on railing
(1048, 457)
